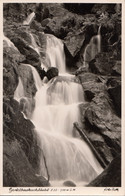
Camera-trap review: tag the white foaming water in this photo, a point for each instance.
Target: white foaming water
(55, 56)
(93, 48)
(8, 43)
(67, 157)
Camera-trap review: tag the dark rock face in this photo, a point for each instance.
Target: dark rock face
(52, 72)
(32, 56)
(115, 94)
(100, 122)
(11, 58)
(111, 176)
(20, 135)
(21, 173)
(102, 64)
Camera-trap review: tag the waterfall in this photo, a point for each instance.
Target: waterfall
(93, 48)
(36, 77)
(29, 19)
(55, 56)
(67, 156)
(56, 108)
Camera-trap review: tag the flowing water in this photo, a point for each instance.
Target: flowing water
(8, 43)
(29, 19)
(55, 56)
(56, 109)
(93, 48)
(34, 44)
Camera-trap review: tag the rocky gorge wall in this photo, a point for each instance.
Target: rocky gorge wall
(101, 81)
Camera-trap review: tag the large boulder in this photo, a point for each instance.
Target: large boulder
(102, 64)
(110, 177)
(52, 72)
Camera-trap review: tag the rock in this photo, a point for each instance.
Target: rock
(89, 95)
(11, 58)
(114, 90)
(106, 178)
(52, 72)
(117, 68)
(26, 75)
(21, 173)
(98, 115)
(115, 94)
(102, 64)
(74, 42)
(69, 183)
(32, 57)
(45, 22)
(19, 133)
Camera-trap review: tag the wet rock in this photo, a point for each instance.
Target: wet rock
(106, 178)
(69, 183)
(32, 57)
(11, 58)
(21, 173)
(20, 128)
(25, 73)
(52, 72)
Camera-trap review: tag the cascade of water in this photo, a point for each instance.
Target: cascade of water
(56, 109)
(8, 43)
(19, 92)
(36, 77)
(34, 44)
(93, 48)
(29, 19)
(55, 56)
